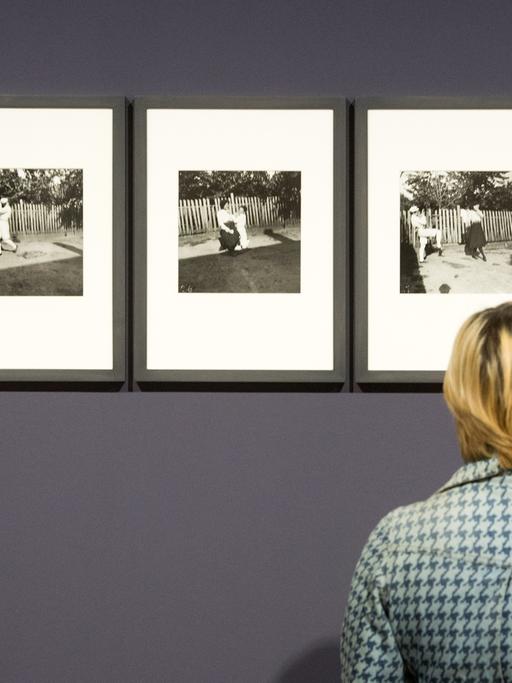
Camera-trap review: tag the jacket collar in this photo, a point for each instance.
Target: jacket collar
(473, 472)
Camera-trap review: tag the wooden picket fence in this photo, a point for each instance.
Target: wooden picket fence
(497, 225)
(200, 215)
(40, 218)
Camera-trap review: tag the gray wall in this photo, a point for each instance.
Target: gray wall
(204, 537)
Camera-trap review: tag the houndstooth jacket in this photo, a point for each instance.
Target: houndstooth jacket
(431, 596)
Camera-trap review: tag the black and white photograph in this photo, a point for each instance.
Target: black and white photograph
(62, 239)
(240, 238)
(433, 215)
(41, 232)
(239, 231)
(455, 232)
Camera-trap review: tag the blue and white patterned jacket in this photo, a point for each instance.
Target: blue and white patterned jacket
(431, 596)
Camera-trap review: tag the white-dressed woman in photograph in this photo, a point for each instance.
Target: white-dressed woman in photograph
(241, 226)
(419, 223)
(6, 242)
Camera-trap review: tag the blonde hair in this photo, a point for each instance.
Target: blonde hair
(478, 385)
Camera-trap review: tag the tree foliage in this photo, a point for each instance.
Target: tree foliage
(262, 184)
(448, 189)
(54, 187)
(286, 186)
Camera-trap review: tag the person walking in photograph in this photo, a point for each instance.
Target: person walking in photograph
(41, 232)
(419, 223)
(6, 242)
(468, 211)
(475, 236)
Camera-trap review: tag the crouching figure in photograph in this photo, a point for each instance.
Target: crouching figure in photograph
(431, 596)
(6, 242)
(419, 223)
(229, 236)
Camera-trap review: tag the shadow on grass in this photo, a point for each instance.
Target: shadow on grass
(70, 247)
(273, 268)
(277, 236)
(53, 278)
(411, 281)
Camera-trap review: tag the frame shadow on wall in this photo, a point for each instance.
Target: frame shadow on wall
(321, 662)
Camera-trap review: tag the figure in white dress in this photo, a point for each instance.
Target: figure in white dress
(241, 226)
(6, 242)
(419, 223)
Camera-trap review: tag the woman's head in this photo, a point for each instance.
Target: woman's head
(478, 385)
(224, 203)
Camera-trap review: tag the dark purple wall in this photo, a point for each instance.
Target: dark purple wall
(206, 538)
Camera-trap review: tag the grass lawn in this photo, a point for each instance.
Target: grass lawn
(272, 268)
(53, 278)
(43, 265)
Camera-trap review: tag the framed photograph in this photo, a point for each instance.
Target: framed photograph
(62, 239)
(240, 240)
(433, 229)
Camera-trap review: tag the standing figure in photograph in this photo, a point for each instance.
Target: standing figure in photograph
(6, 242)
(419, 223)
(475, 236)
(229, 238)
(465, 218)
(241, 226)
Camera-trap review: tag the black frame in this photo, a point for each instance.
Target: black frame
(430, 380)
(232, 378)
(117, 375)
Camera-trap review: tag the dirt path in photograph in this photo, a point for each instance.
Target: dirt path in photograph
(208, 244)
(457, 273)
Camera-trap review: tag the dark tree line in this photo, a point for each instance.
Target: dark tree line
(55, 187)
(285, 185)
(428, 189)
